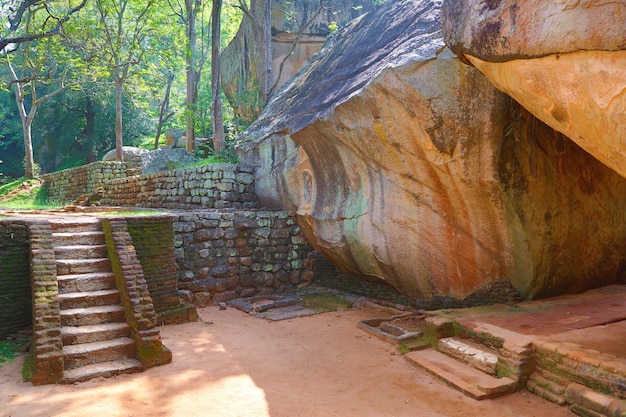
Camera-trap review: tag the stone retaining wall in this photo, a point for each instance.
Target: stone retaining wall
(69, 184)
(228, 254)
(15, 288)
(207, 186)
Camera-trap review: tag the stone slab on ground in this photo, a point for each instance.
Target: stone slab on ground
(285, 313)
(470, 381)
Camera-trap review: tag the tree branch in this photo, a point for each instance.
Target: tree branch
(17, 19)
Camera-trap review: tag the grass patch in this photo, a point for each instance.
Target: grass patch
(133, 213)
(9, 350)
(35, 198)
(324, 302)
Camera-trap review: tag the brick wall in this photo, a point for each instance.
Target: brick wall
(137, 301)
(15, 289)
(228, 254)
(47, 346)
(69, 184)
(207, 186)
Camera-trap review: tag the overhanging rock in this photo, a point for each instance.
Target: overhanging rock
(405, 164)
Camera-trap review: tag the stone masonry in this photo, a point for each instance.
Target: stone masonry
(225, 254)
(69, 184)
(136, 299)
(208, 186)
(47, 345)
(15, 287)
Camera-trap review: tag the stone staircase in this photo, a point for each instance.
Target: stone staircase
(95, 336)
(479, 366)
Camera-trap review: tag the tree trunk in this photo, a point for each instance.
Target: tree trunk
(263, 14)
(29, 164)
(165, 106)
(27, 122)
(90, 129)
(192, 74)
(218, 123)
(119, 90)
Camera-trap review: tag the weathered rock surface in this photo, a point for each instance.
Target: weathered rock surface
(299, 29)
(129, 153)
(164, 159)
(407, 165)
(565, 61)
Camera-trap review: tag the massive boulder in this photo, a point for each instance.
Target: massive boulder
(298, 29)
(405, 164)
(564, 60)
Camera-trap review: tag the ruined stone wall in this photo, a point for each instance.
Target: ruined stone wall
(15, 289)
(228, 254)
(69, 184)
(207, 186)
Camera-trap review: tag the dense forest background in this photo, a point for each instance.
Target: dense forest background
(81, 74)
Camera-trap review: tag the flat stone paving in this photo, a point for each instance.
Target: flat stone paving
(555, 315)
(593, 321)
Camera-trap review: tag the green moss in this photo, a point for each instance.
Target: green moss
(482, 338)
(324, 302)
(503, 370)
(28, 366)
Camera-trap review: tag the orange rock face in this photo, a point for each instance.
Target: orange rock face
(407, 165)
(565, 61)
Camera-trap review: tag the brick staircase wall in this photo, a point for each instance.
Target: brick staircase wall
(15, 289)
(140, 313)
(47, 346)
(69, 184)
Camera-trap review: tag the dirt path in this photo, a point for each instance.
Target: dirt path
(234, 365)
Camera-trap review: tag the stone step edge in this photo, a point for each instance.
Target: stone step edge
(91, 347)
(587, 398)
(473, 383)
(94, 294)
(545, 393)
(113, 308)
(542, 381)
(91, 328)
(469, 354)
(102, 369)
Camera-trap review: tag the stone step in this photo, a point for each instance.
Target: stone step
(75, 252)
(75, 356)
(102, 369)
(89, 299)
(470, 381)
(92, 315)
(82, 266)
(72, 335)
(469, 354)
(86, 282)
(545, 392)
(587, 402)
(75, 225)
(79, 238)
(550, 384)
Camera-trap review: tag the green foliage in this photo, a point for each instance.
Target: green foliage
(8, 350)
(32, 198)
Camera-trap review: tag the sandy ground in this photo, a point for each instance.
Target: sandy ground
(231, 364)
